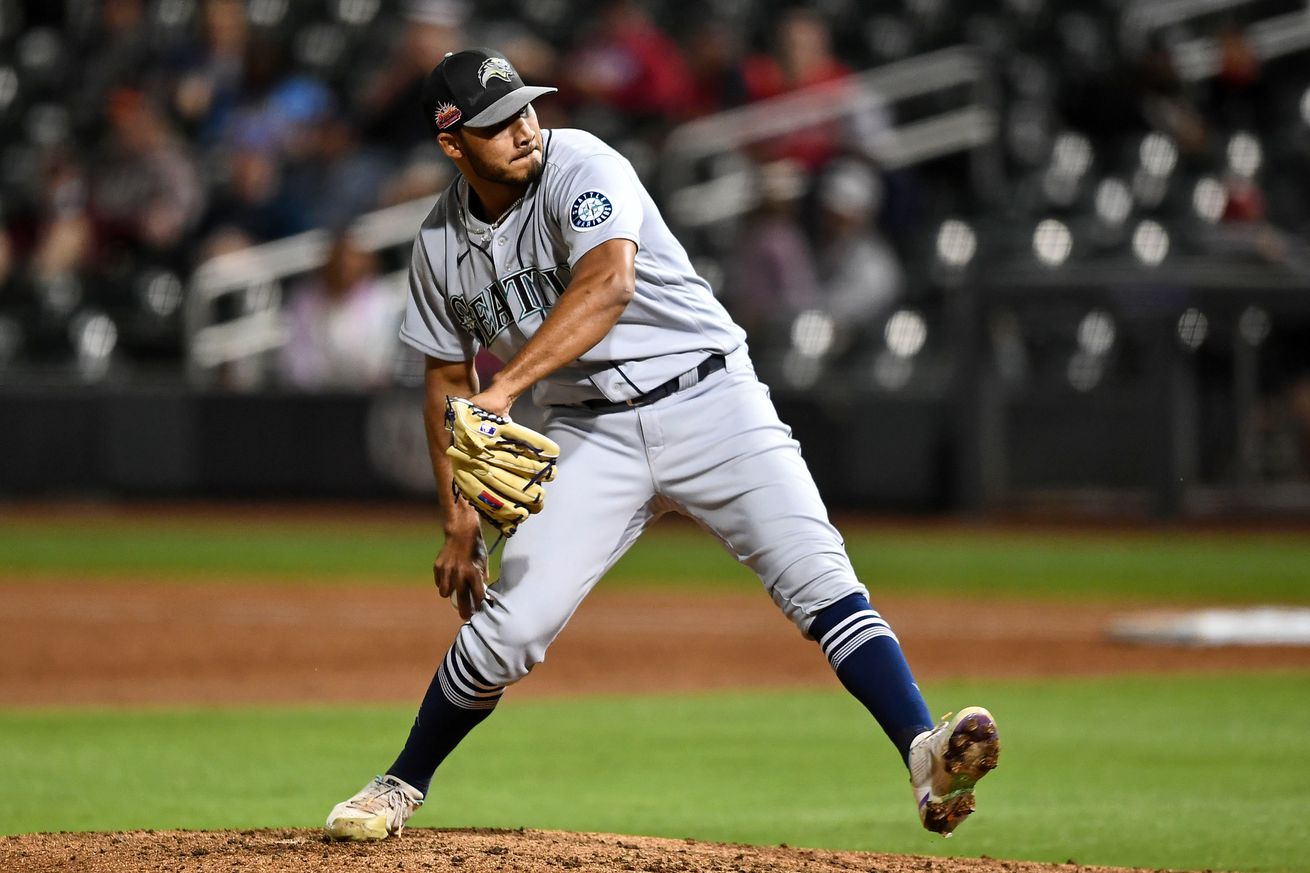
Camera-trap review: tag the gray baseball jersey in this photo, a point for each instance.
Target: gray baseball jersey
(713, 450)
(474, 284)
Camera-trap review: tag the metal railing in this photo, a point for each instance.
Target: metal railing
(1198, 58)
(866, 96)
(234, 308)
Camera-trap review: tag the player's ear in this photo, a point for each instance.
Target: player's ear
(450, 145)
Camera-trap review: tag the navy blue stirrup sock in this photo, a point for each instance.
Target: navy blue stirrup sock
(868, 660)
(457, 700)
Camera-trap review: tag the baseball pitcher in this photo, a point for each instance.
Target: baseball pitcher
(547, 250)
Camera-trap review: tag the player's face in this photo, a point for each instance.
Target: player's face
(509, 153)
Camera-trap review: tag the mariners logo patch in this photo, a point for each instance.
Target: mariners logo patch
(495, 68)
(447, 114)
(590, 210)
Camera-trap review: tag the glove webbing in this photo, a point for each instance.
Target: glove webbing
(500, 538)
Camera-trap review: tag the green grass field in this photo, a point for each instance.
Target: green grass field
(1157, 564)
(1195, 772)
(1185, 772)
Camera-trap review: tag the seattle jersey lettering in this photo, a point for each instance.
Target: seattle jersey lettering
(510, 300)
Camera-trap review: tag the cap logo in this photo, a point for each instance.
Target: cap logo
(447, 114)
(495, 68)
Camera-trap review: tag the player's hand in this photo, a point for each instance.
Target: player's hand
(493, 400)
(460, 572)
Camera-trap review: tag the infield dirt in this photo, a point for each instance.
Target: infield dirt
(72, 643)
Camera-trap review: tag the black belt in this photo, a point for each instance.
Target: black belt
(712, 364)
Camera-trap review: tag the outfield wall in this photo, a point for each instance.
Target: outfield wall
(871, 452)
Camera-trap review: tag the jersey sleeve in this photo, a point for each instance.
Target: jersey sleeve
(599, 200)
(430, 324)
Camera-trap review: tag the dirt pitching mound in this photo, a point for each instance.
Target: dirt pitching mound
(483, 851)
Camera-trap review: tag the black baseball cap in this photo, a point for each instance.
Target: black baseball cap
(476, 87)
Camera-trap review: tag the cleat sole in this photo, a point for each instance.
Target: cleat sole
(965, 756)
(945, 816)
(972, 752)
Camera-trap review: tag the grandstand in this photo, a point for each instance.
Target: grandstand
(1054, 253)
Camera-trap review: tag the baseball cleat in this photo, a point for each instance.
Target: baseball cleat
(947, 762)
(378, 811)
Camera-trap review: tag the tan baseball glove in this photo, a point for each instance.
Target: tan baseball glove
(499, 466)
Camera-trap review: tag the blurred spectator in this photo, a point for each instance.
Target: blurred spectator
(772, 275)
(6, 254)
(1164, 102)
(277, 110)
(209, 71)
(117, 53)
(860, 276)
(342, 324)
(802, 58)
(64, 233)
(534, 58)
(714, 62)
(6, 263)
(387, 116)
(424, 175)
(630, 65)
(1244, 201)
(146, 192)
(331, 178)
(1237, 91)
(253, 205)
